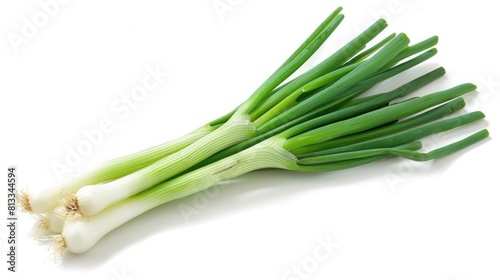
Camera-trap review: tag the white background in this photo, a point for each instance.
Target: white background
(391, 220)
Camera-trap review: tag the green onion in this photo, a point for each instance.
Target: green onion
(315, 122)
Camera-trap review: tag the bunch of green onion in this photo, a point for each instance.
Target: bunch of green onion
(315, 122)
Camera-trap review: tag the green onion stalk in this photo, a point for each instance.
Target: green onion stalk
(394, 129)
